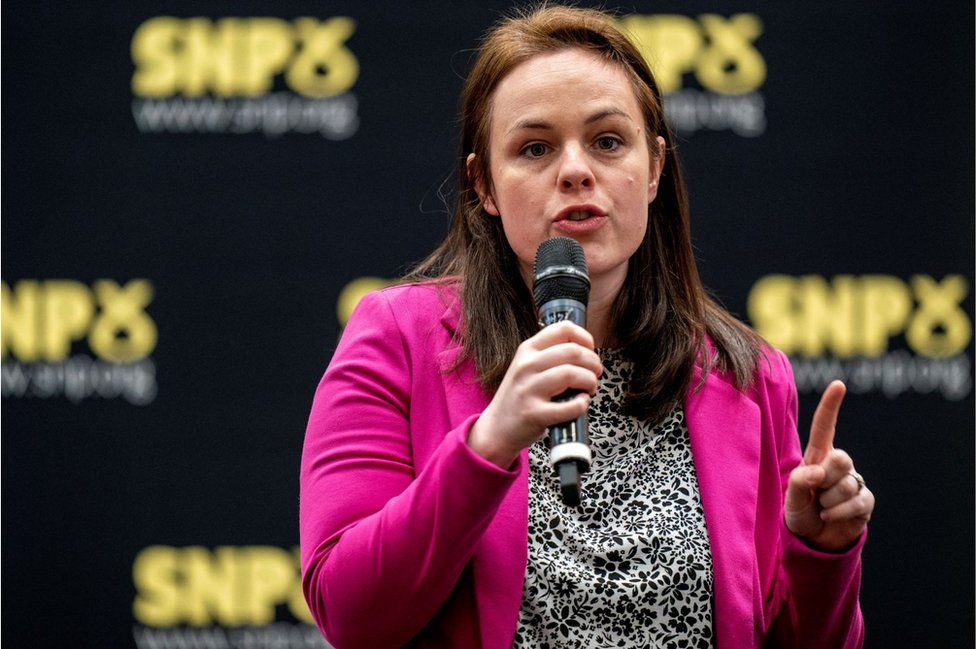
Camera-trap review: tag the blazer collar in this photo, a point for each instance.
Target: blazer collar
(451, 299)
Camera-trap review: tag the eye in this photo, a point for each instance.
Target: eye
(607, 143)
(535, 150)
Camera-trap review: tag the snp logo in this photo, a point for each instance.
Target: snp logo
(42, 321)
(240, 57)
(720, 54)
(230, 586)
(231, 596)
(201, 75)
(851, 327)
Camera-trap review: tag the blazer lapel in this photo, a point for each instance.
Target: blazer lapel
(724, 427)
(498, 564)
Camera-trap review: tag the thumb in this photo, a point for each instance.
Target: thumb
(800, 489)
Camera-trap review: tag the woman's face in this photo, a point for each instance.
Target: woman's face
(569, 157)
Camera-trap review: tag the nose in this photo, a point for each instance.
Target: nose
(574, 169)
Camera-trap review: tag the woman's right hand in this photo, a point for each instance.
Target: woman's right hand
(558, 358)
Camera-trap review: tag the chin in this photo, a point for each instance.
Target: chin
(600, 272)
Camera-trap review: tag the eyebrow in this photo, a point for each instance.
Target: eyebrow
(544, 125)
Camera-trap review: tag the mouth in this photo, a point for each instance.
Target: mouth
(579, 213)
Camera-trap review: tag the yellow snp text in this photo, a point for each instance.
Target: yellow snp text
(240, 57)
(41, 319)
(857, 315)
(719, 51)
(227, 586)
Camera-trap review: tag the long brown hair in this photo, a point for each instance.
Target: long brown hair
(663, 314)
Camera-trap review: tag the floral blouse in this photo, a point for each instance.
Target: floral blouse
(632, 566)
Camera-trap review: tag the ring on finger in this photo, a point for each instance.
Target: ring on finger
(860, 480)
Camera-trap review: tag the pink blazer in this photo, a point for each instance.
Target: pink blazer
(410, 538)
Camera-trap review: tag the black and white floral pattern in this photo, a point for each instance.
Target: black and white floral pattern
(632, 566)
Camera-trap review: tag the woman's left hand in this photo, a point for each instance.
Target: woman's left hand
(827, 503)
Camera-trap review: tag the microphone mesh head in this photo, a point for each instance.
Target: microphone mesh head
(554, 253)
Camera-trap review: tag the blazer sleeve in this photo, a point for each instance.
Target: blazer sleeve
(382, 543)
(817, 591)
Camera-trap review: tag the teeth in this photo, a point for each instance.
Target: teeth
(577, 216)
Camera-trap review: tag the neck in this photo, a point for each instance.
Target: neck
(603, 295)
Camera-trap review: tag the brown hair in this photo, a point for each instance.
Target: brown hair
(662, 315)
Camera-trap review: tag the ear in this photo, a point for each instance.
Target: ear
(657, 166)
(479, 186)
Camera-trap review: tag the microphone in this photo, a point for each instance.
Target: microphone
(561, 287)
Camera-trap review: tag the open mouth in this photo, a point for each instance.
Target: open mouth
(579, 215)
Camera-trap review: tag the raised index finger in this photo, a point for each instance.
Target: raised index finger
(824, 423)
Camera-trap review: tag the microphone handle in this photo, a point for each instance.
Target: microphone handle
(569, 443)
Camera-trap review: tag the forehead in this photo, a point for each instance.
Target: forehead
(564, 83)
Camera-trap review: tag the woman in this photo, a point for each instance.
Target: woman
(429, 515)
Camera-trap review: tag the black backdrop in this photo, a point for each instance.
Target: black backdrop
(188, 203)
